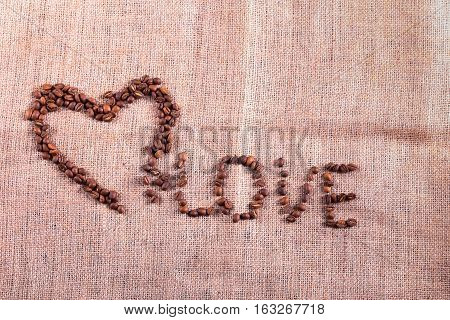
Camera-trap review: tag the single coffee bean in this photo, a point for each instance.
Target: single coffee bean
(295, 214)
(245, 216)
(183, 156)
(341, 223)
(327, 199)
(284, 173)
(326, 189)
(253, 214)
(258, 197)
(334, 198)
(236, 217)
(260, 183)
(282, 183)
(218, 191)
(283, 200)
(228, 204)
(314, 170)
(193, 213)
(121, 209)
(351, 222)
(264, 192)
(343, 168)
(69, 173)
(282, 191)
(352, 167)
(330, 215)
(310, 177)
(350, 196)
(327, 176)
(183, 209)
(290, 219)
(179, 195)
(330, 222)
(201, 212)
(329, 209)
(280, 162)
(307, 188)
(182, 202)
(150, 193)
(300, 207)
(146, 180)
(305, 198)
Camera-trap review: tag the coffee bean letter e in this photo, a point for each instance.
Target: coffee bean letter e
(331, 198)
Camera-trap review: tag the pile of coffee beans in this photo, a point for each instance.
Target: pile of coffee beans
(50, 98)
(330, 198)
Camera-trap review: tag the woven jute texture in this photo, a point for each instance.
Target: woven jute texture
(313, 81)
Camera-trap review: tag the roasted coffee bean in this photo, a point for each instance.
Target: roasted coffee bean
(352, 167)
(351, 222)
(182, 202)
(314, 170)
(179, 195)
(69, 173)
(327, 199)
(283, 200)
(236, 217)
(255, 205)
(280, 162)
(121, 209)
(150, 193)
(290, 219)
(334, 198)
(329, 209)
(341, 197)
(146, 180)
(258, 197)
(284, 173)
(183, 156)
(328, 183)
(282, 183)
(295, 214)
(183, 209)
(193, 213)
(264, 192)
(201, 212)
(253, 214)
(260, 183)
(343, 168)
(331, 222)
(282, 191)
(327, 176)
(228, 204)
(350, 196)
(330, 215)
(341, 223)
(221, 201)
(300, 207)
(218, 191)
(307, 188)
(305, 198)
(326, 189)
(245, 216)
(310, 177)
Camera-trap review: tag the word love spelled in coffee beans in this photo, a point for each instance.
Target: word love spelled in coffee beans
(53, 97)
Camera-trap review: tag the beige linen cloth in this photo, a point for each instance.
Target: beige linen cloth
(313, 81)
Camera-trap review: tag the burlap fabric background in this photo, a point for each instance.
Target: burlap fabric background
(313, 81)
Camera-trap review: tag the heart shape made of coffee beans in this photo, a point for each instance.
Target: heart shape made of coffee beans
(51, 98)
